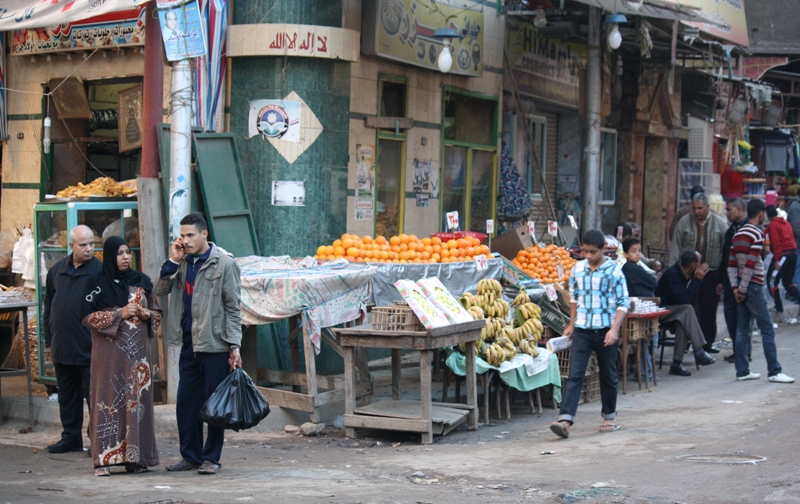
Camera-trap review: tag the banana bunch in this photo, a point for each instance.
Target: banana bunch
(521, 298)
(476, 312)
(467, 300)
(480, 348)
(528, 346)
(500, 351)
(510, 334)
(492, 306)
(532, 328)
(530, 310)
(493, 329)
(490, 285)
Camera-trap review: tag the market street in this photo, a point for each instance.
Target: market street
(708, 413)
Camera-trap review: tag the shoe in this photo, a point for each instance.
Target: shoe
(730, 358)
(704, 359)
(183, 465)
(64, 447)
(781, 378)
(711, 350)
(751, 376)
(677, 369)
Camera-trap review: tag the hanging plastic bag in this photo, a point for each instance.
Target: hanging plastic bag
(236, 404)
(24, 243)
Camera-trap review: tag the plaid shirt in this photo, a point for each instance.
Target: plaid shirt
(599, 294)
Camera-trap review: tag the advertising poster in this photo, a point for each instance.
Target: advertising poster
(278, 119)
(365, 181)
(182, 31)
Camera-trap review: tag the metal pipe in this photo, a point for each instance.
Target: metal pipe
(591, 158)
(153, 90)
(180, 158)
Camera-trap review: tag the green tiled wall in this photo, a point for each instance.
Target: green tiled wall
(325, 87)
(308, 12)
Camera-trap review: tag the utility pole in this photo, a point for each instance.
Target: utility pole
(591, 158)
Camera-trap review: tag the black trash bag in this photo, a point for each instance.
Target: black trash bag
(236, 404)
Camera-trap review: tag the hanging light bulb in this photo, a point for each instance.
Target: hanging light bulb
(539, 20)
(445, 60)
(614, 36)
(46, 139)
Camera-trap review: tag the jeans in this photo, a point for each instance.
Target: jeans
(786, 276)
(729, 310)
(584, 342)
(200, 374)
(754, 306)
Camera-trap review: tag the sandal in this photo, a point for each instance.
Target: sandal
(560, 429)
(609, 428)
(208, 468)
(102, 471)
(135, 468)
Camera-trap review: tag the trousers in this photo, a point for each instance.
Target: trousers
(200, 375)
(706, 305)
(786, 276)
(755, 307)
(584, 342)
(687, 329)
(73, 389)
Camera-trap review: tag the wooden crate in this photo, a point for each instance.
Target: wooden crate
(395, 318)
(640, 328)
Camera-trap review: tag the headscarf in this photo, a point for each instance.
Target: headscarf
(111, 286)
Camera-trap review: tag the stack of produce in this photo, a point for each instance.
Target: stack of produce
(402, 249)
(103, 186)
(542, 262)
(501, 341)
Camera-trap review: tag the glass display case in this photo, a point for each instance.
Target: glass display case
(53, 222)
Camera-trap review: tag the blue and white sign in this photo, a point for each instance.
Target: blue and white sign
(182, 31)
(278, 119)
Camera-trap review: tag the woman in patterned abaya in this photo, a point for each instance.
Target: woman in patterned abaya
(123, 315)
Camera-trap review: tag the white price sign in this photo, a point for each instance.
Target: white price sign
(490, 226)
(532, 230)
(452, 220)
(560, 269)
(551, 292)
(480, 263)
(552, 228)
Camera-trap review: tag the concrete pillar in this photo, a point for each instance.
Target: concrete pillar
(591, 157)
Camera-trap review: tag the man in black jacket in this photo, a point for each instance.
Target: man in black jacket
(678, 288)
(71, 342)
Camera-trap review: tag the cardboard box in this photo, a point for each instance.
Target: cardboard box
(512, 242)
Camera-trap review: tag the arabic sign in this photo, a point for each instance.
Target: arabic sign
(117, 29)
(182, 31)
(292, 40)
(402, 30)
(727, 12)
(278, 119)
(548, 69)
(26, 14)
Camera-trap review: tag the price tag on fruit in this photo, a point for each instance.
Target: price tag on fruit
(490, 226)
(560, 270)
(532, 230)
(452, 220)
(551, 292)
(552, 228)
(480, 263)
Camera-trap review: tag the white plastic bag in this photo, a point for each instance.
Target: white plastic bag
(25, 242)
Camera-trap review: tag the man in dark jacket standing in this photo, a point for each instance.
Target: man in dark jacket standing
(71, 342)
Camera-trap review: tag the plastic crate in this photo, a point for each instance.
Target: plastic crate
(552, 316)
(591, 382)
(395, 318)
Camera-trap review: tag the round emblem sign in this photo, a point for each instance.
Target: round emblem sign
(273, 121)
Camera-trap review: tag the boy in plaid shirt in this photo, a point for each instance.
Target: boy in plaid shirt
(598, 306)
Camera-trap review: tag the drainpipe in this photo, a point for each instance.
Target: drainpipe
(591, 158)
(180, 158)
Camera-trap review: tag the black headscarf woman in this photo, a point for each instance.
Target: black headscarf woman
(111, 290)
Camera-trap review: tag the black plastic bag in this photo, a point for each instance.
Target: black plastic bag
(236, 404)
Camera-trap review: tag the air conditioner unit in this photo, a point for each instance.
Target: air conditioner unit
(701, 138)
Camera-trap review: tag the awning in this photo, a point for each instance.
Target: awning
(660, 9)
(26, 14)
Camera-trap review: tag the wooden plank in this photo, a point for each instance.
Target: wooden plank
(330, 338)
(443, 414)
(472, 388)
(286, 399)
(298, 379)
(389, 122)
(425, 393)
(294, 346)
(349, 385)
(311, 373)
(437, 404)
(353, 422)
(408, 342)
(396, 373)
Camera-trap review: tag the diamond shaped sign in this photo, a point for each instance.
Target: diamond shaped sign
(310, 129)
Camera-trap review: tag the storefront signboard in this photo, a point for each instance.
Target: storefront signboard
(545, 68)
(116, 29)
(402, 30)
(729, 13)
(28, 14)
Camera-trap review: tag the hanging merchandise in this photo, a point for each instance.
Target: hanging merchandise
(514, 202)
(778, 152)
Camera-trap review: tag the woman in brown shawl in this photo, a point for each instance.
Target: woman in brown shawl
(123, 315)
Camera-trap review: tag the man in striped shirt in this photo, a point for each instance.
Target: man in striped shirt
(746, 273)
(598, 306)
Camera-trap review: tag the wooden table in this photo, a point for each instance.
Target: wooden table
(636, 320)
(13, 307)
(421, 416)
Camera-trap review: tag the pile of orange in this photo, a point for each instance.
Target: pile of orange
(542, 262)
(402, 249)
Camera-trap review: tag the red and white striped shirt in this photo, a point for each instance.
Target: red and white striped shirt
(745, 264)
